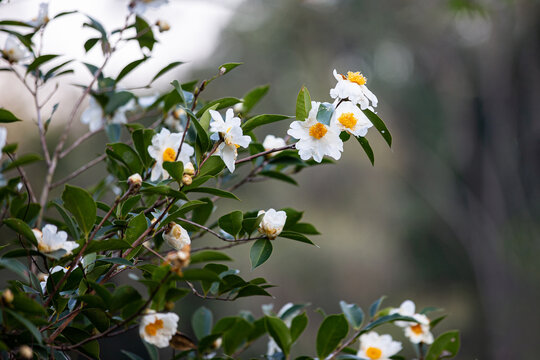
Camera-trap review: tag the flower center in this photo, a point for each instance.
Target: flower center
(152, 328)
(169, 154)
(177, 232)
(348, 120)
(356, 77)
(317, 131)
(373, 353)
(417, 329)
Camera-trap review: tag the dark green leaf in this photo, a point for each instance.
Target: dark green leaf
(303, 104)
(375, 306)
(214, 191)
(205, 256)
(26, 323)
(123, 295)
(232, 222)
(304, 228)
(298, 326)
(259, 120)
(260, 252)
(201, 322)
(24, 304)
(333, 329)
(166, 69)
(367, 148)
(20, 227)
(90, 43)
(40, 60)
(353, 313)
(175, 170)
(445, 346)
(7, 116)
(116, 260)
(296, 236)
(386, 319)
(251, 290)
(98, 318)
(179, 90)
(201, 214)
(212, 166)
(279, 176)
(145, 36)
(136, 227)
(117, 100)
(142, 138)
(279, 332)
(218, 104)
(225, 68)
(129, 68)
(15, 266)
(81, 205)
(22, 160)
(379, 125)
(253, 97)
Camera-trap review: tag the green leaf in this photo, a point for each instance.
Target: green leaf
(190, 205)
(200, 274)
(353, 313)
(145, 36)
(325, 112)
(40, 60)
(225, 68)
(126, 155)
(445, 346)
(129, 68)
(142, 138)
(201, 214)
(166, 69)
(333, 329)
(201, 322)
(260, 252)
(116, 260)
(26, 323)
(136, 227)
(7, 116)
(90, 43)
(123, 295)
(296, 236)
(379, 125)
(24, 304)
(68, 220)
(117, 100)
(15, 266)
(251, 290)
(236, 334)
(98, 318)
(386, 319)
(251, 224)
(202, 135)
(152, 351)
(205, 256)
(367, 148)
(212, 166)
(232, 222)
(163, 190)
(304, 228)
(20, 227)
(175, 169)
(259, 120)
(253, 97)
(279, 176)
(375, 306)
(131, 355)
(76, 335)
(214, 191)
(218, 104)
(303, 104)
(279, 332)
(81, 205)
(298, 325)
(179, 90)
(22, 160)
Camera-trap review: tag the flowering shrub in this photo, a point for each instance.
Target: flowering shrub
(170, 159)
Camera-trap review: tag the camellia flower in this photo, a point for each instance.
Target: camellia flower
(377, 347)
(316, 139)
(158, 328)
(43, 16)
(273, 142)
(417, 331)
(353, 87)
(50, 240)
(176, 236)
(3, 138)
(272, 222)
(164, 147)
(14, 51)
(348, 117)
(93, 115)
(139, 7)
(232, 134)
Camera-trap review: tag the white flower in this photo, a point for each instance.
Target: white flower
(146, 101)
(43, 282)
(163, 26)
(419, 332)
(164, 147)
(158, 328)
(50, 239)
(353, 87)
(232, 134)
(348, 117)
(377, 347)
(93, 115)
(140, 6)
(405, 309)
(177, 237)
(14, 50)
(315, 139)
(272, 222)
(119, 116)
(43, 16)
(135, 180)
(3, 138)
(273, 142)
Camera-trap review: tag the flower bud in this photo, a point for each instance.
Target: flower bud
(189, 169)
(169, 305)
(178, 112)
(163, 26)
(272, 223)
(178, 259)
(26, 352)
(216, 344)
(222, 70)
(135, 180)
(7, 296)
(187, 179)
(176, 236)
(238, 108)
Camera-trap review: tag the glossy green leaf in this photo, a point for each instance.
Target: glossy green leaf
(201, 322)
(260, 120)
(379, 125)
(40, 60)
(145, 36)
(298, 325)
(260, 252)
(179, 91)
(279, 332)
(218, 104)
(123, 295)
(386, 319)
(136, 227)
(296, 236)
(367, 148)
(76, 335)
(209, 255)
(373, 308)
(165, 70)
(90, 43)
(26, 323)
(24, 304)
(22, 160)
(214, 191)
(304, 228)
(20, 227)
(232, 222)
(129, 68)
(251, 290)
(15, 266)
(127, 155)
(68, 220)
(303, 104)
(81, 205)
(142, 138)
(202, 213)
(353, 313)
(175, 170)
(253, 97)
(225, 68)
(7, 116)
(445, 346)
(98, 318)
(333, 329)
(213, 166)
(278, 176)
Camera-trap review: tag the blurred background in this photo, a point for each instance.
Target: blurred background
(449, 217)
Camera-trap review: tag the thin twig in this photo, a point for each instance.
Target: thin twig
(25, 181)
(78, 142)
(291, 146)
(79, 171)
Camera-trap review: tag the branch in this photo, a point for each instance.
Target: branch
(78, 142)
(25, 181)
(265, 153)
(79, 171)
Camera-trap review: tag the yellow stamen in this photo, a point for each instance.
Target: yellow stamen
(373, 353)
(348, 120)
(152, 328)
(417, 329)
(169, 154)
(356, 77)
(317, 131)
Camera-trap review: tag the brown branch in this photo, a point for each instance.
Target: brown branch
(264, 153)
(79, 171)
